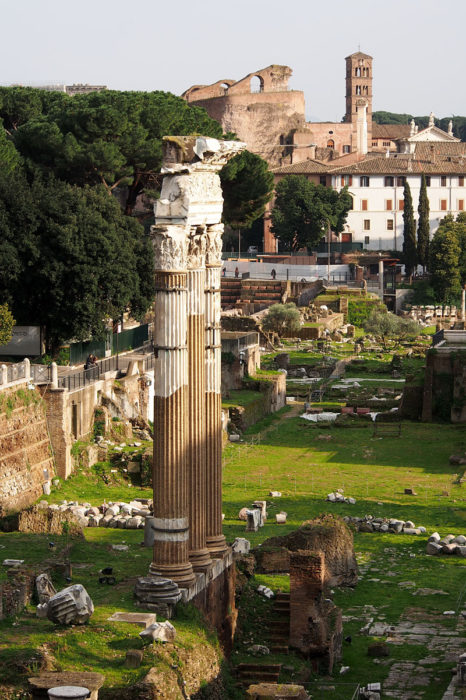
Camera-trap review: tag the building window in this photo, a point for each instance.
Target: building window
(427, 180)
(386, 143)
(364, 181)
(330, 143)
(400, 181)
(461, 180)
(388, 204)
(363, 204)
(401, 204)
(388, 181)
(346, 180)
(389, 224)
(358, 89)
(323, 179)
(460, 204)
(357, 72)
(443, 205)
(367, 224)
(443, 181)
(346, 149)
(366, 240)
(375, 144)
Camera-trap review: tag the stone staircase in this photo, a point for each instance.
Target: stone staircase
(230, 292)
(253, 295)
(258, 673)
(279, 625)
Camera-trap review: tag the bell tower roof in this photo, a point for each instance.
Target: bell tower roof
(358, 54)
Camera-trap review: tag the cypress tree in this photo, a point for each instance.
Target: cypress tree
(409, 231)
(423, 228)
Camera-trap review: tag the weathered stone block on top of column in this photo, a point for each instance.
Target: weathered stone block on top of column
(191, 190)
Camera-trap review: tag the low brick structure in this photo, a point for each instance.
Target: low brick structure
(315, 622)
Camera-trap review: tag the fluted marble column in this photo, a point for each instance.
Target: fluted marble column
(214, 536)
(171, 524)
(196, 430)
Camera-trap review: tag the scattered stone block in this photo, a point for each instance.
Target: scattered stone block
(120, 547)
(378, 649)
(460, 539)
(243, 514)
(280, 518)
(258, 650)
(433, 548)
(44, 588)
(241, 546)
(140, 619)
(265, 591)
(410, 492)
(275, 494)
(49, 679)
(435, 537)
(159, 632)
(72, 605)
(449, 548)
(234, 437)
(12, 562)
(133, 658)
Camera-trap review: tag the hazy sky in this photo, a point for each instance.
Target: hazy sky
(418, 46)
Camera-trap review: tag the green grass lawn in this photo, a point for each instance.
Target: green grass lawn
(304, 462)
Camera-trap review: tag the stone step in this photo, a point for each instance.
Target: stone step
(279, 648)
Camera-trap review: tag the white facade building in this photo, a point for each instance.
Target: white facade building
(376, 219)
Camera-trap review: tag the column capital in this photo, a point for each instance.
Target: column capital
(170, 243)
(214, 245)
(196, 248)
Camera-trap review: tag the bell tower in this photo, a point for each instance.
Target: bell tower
(359, 99)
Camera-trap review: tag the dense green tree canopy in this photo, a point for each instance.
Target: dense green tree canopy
(444, 261)
(247, 185)
(110, 138)
(69, 258)
(303, 211)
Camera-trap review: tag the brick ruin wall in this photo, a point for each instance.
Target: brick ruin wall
(25, 452)
(264, 120)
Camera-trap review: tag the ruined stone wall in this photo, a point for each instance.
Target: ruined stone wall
(263, 121)
(25, 456)
(70, 414)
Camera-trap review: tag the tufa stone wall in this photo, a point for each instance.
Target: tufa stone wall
(26, 461)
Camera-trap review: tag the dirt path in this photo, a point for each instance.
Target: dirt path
(339, 370)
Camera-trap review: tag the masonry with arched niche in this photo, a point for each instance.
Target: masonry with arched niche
(265, 113)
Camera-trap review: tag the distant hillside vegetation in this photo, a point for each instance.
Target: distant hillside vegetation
(459, 123)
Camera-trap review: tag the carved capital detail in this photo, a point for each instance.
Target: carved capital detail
(214, 245)
(196, 248)
(170, 247)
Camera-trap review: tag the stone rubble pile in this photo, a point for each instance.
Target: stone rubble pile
(369, 523)
(338, 497)
(450, 544)
(115, 515)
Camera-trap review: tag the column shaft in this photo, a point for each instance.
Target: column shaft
(215, 538)
(170, 557)
(196, 428)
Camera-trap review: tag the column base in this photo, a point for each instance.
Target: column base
(200, 559)
(217, 545)
(182, 574)
(158, 594)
